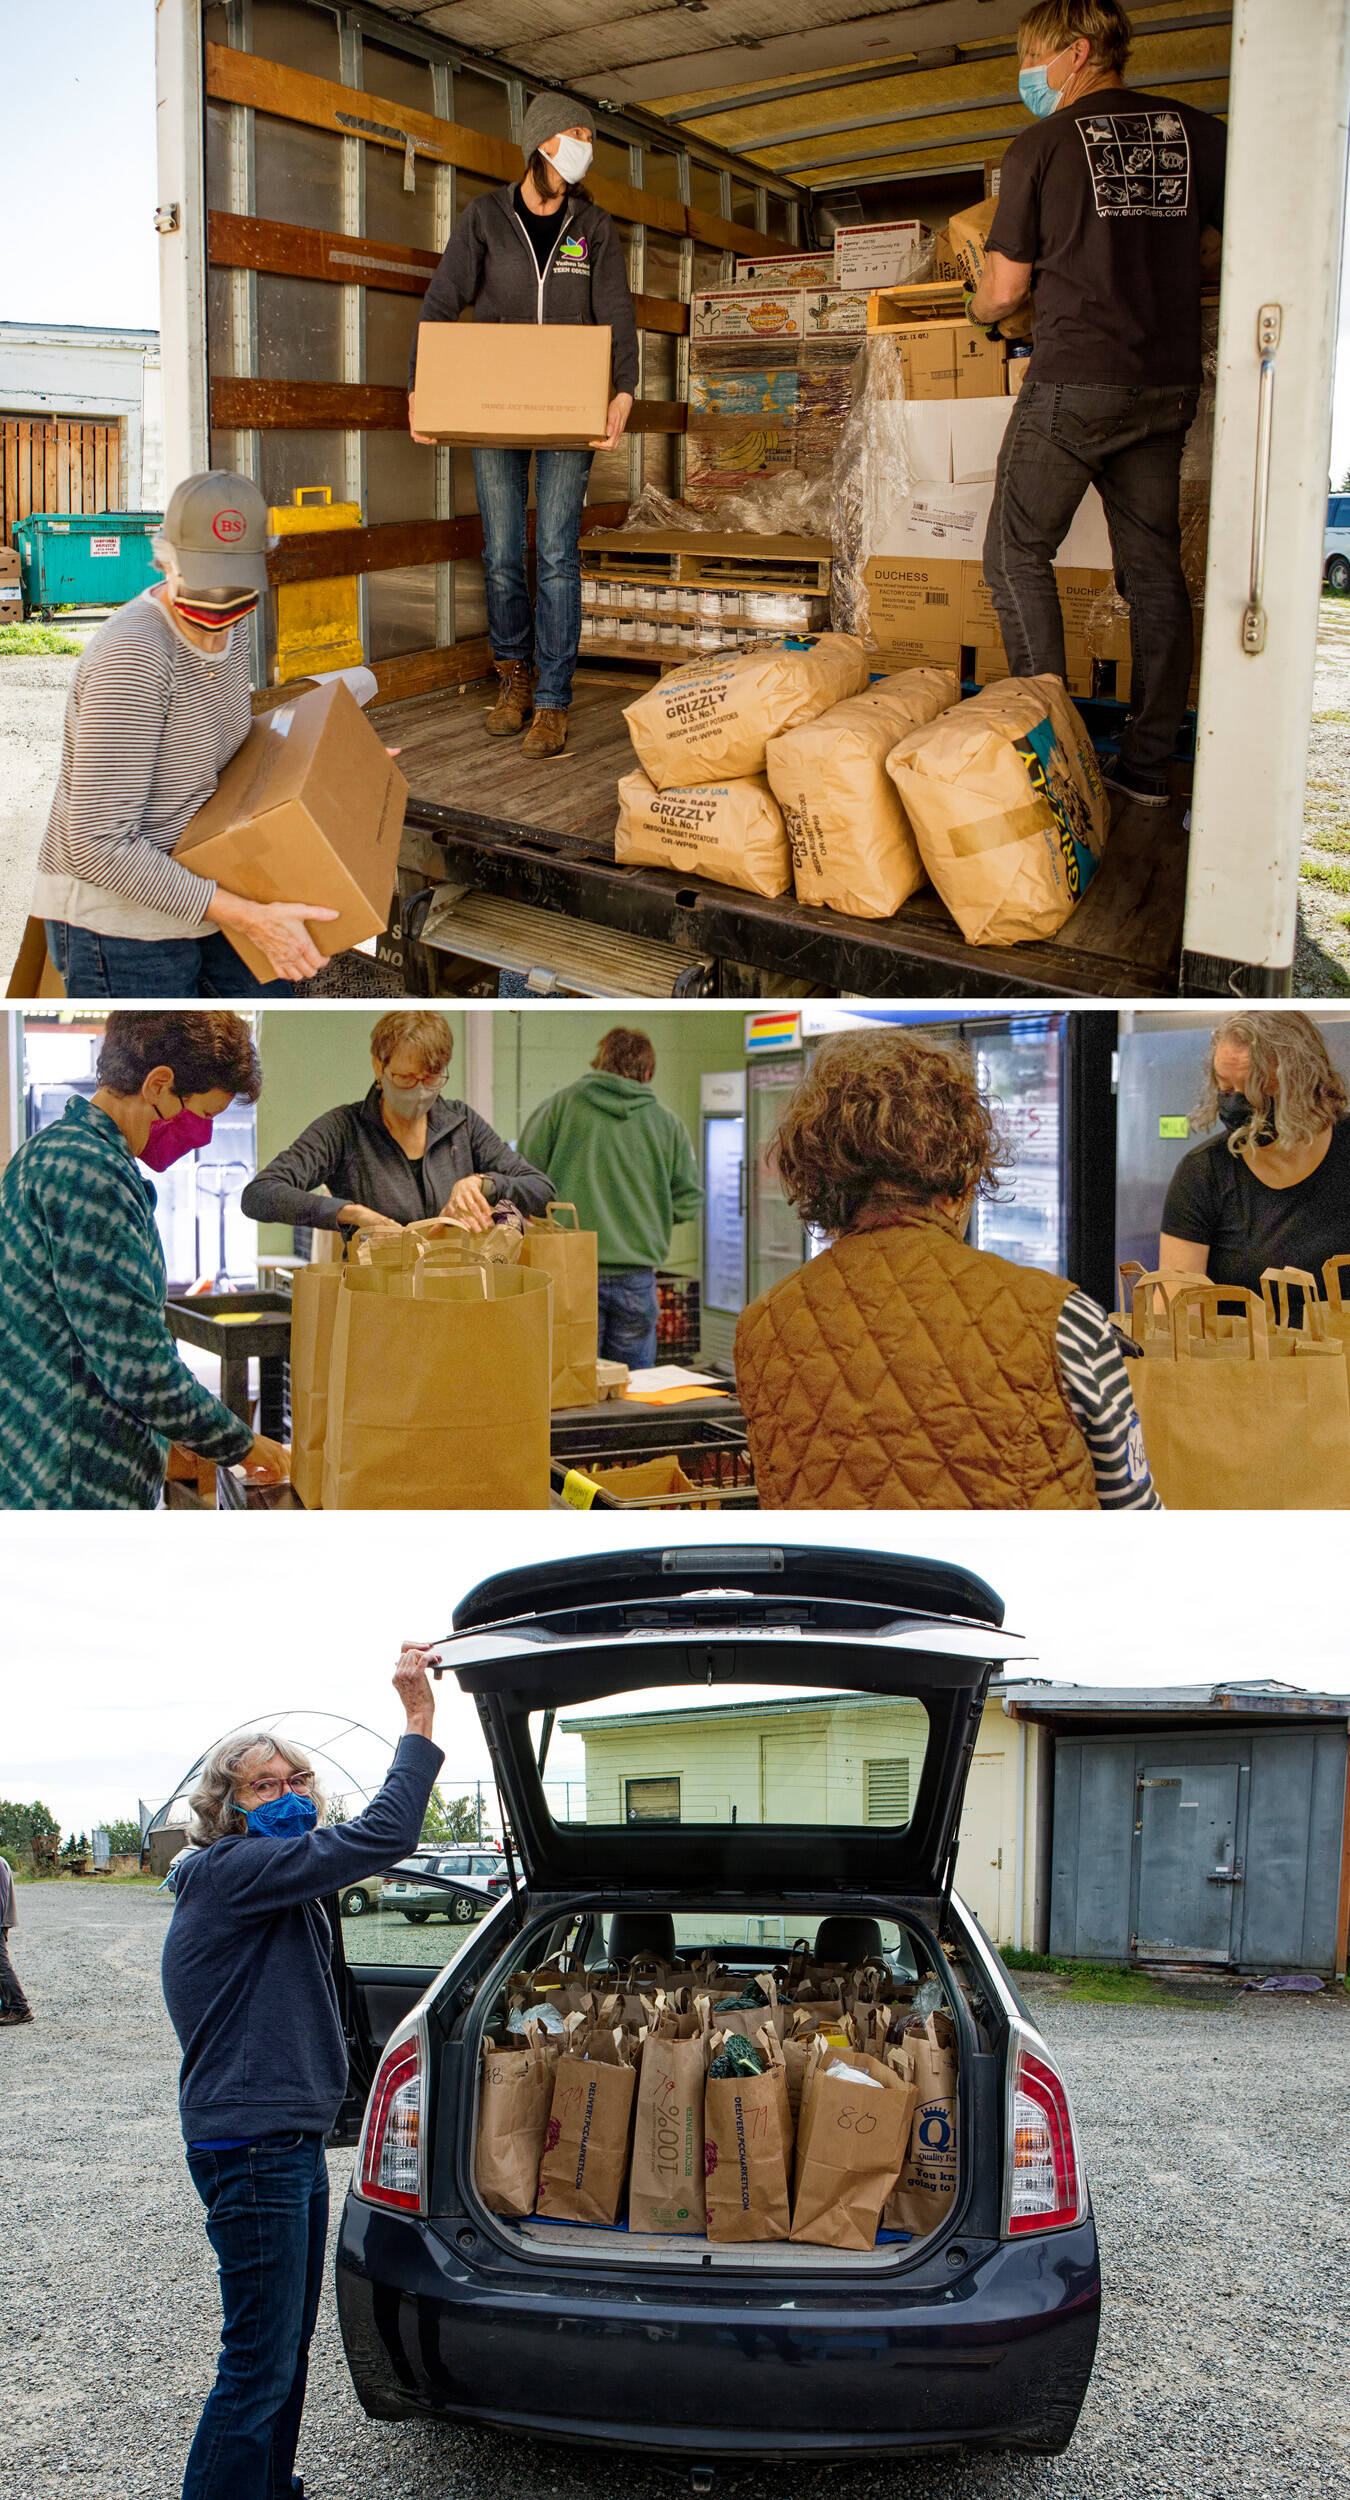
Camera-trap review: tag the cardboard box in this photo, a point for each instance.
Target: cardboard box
(869, 256)
(310, 810)
(11, 603)
(967, 234)
(938, 522)
(10, 567)
(889, 657)
(988, 662)
(981, 366)
(786, 269)
(745, 313)
(914, 602)
(979, 617)
(1079, 587)
(490, 383)
(946, 266)
(949, 360)
(834, 311)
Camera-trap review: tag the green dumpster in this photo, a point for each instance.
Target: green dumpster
(85, 559)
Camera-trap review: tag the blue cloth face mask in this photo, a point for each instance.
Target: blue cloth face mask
(1035, 90)
(283, 1817)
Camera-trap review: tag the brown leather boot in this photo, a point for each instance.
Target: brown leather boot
(546, 735)
(515, 703)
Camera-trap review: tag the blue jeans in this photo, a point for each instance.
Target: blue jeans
(550, 637)
(628, 1317)
(114, 967)
(1062, 438)
(267, 2220)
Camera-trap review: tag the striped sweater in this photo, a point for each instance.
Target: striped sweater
(150, 725)
(92, 1387)
(1097, 1394)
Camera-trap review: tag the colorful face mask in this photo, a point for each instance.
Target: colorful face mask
(282, 1818)
(215, 611)
(176, 1134)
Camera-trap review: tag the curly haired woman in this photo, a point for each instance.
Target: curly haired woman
(1273, 1188)
(902, 1369)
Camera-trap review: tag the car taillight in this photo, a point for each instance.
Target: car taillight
(1045, 2182)
(389, 2156)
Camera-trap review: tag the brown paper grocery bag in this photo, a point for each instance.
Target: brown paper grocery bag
(1296, 1328)
(852, 2142)
(314, 1300)
(928, 2180)
(665, 2190)
(438, 1389)
(515, 2094)
(1008, 808)
(585, 2157)
(1226, 1428)
(747, 2129)
(731, 832)
(712, 720)
(568, 1256)
(1336, 1315)
(853, 848)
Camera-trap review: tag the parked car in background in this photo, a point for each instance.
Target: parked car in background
(486, 1865)
(1336, 544)
(472, 1893)
(980, 2327)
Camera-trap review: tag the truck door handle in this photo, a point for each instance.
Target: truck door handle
(1268, 322)
(1225, 1875)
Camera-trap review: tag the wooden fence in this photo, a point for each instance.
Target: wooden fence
(58, 464)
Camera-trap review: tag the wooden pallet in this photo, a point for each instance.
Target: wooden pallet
(905, 307)
(693, 557)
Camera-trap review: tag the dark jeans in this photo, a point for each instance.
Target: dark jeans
(114, 967)
(1062, 438)
(549, 637)
(12, 1998)
(267, 2220)
(628, 1317)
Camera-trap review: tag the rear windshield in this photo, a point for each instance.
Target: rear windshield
(783, 1757)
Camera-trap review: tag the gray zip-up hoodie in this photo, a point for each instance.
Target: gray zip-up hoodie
(489, 262)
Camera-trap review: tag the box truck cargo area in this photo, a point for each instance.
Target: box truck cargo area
(313, 162)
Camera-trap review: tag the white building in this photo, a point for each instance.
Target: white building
(66, 369)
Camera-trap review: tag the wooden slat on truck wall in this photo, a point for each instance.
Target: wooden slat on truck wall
(362, 260)
(57, 464)
(292, 95)
(239, 401)
(390, 546)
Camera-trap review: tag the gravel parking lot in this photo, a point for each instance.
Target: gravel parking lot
(1215, 2139)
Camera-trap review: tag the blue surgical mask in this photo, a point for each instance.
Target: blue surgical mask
(1035, 90)
(283, 1817)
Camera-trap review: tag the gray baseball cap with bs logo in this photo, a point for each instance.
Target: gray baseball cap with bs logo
(216, 524)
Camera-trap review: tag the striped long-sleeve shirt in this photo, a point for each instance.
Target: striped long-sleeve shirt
(150, 725)
(1097, 1393)
(92, 1386)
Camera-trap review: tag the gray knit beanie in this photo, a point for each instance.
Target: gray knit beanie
(551, 113)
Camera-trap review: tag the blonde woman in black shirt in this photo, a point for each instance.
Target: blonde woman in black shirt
(1273, 1188)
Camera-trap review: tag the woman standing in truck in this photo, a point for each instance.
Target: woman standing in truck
(538, 251)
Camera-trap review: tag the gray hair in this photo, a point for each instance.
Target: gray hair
(212, 1805)
(1289, 1062)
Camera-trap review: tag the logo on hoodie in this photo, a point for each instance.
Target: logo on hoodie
(574, 252)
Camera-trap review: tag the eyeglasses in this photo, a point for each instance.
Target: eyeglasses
(303, 1780)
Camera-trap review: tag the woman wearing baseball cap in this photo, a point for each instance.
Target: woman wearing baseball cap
(159, 705)
(538, 251)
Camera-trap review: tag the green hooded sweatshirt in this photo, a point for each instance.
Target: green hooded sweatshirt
(622, 1160)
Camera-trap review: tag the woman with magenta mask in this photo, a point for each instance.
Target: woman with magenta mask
(92, 1386)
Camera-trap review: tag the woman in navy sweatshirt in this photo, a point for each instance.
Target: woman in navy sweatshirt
(249, 1986)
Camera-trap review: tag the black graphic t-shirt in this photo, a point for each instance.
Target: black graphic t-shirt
(542, 231)
(1107, 199)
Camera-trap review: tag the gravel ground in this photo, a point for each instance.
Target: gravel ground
(1215, 2141)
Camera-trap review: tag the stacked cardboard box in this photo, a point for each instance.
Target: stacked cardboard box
(11, 587)
(769, 366)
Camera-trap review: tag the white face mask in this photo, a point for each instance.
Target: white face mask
(572, 158)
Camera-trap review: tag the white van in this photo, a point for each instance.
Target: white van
(1336, 544)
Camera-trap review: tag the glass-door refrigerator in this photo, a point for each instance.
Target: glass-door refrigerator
(722, 1123)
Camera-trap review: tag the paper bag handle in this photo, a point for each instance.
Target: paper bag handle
(1332, 1270)
(1129, 1271)
(563, 1206)
(1149, 1295)
(1277, 1284)
(1205, 1301)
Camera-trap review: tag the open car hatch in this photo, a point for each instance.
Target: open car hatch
(741, 1719)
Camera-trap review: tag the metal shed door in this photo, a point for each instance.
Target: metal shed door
(1186, 1823)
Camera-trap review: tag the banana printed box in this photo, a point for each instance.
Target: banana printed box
(756, 393)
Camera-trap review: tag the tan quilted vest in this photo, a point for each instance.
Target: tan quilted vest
(902, 1370)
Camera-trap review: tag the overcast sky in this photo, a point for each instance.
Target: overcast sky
(134, 1642)
(80, 175)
